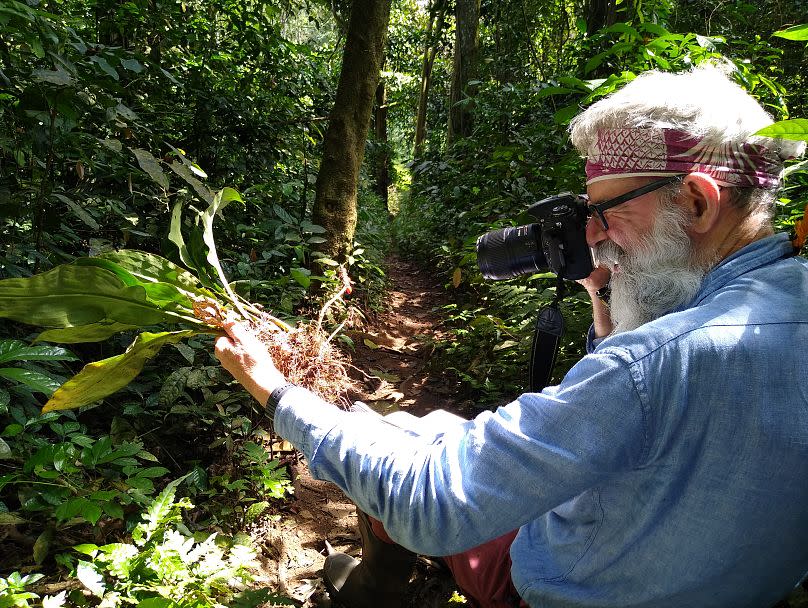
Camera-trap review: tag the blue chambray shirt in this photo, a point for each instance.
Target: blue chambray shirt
(668, 469)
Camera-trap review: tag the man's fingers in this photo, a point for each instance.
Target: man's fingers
(222, 345)
(238, 330)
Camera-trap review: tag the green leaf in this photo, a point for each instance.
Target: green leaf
(92, 332)
(133, 65)
(796, 32)
(152, 472)
(796, 129)
(71, 295)
(300, 275)
(35, 381)
(105, 67)
(80, 212)
(71, 508)
(151, 166)
(5, 452)
(156, 602)
(42, 545)
(87, 549)
(102, 378)
(185, 173)
(175, 235)
(283, 215)
(59, 76)
(16, 350)
(114, 510)
(252, 598)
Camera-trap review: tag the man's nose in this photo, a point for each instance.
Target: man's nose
(594, 232)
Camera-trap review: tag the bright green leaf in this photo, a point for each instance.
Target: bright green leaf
(796, 32)
(796, 128)
(16, 350)
(35, 381)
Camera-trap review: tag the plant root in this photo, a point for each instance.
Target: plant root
(303, 354)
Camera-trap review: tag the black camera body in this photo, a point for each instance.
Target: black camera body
(556, 242)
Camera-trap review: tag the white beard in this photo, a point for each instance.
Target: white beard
(658, 275)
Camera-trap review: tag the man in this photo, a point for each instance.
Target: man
(670, 466)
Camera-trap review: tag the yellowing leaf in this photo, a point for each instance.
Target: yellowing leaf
(102, 378)
(457, 277)
(370, 343)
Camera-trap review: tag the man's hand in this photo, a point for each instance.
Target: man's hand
(247, 359)
(601, 317)
(597, 280)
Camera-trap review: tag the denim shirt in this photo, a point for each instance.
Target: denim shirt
(668, 469)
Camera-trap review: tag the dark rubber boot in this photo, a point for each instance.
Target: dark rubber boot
(379, 579)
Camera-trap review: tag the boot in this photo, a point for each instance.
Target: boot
(379, 579)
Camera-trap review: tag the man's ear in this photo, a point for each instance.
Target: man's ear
(702, 200)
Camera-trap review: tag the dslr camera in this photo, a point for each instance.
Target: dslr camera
(556, 242)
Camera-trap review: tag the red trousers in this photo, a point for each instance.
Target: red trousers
(483, 573)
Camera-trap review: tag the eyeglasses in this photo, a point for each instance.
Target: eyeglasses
(598, 210)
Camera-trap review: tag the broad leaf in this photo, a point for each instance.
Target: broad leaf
(102, 378)
(175, 235)
(796, 129)
(151, 166)
(153, 268)
(185, 173)
(16, 350)
(37, 382)
(72, 295)
(796, 32)
(92, 332)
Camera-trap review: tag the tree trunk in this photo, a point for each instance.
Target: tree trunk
(603, 13)
(437, 20)
(344, 144)
(467, 15)
(383, 158)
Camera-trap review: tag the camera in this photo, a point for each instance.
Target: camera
(556, 242)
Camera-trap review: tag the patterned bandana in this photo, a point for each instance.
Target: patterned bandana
(649, 152)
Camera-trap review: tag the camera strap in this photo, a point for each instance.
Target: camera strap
(546, 340)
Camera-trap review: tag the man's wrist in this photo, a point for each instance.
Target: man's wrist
(275, 397)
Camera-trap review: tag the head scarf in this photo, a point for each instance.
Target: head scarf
(653, 151)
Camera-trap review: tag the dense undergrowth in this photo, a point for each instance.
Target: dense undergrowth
(520, 154)
(116, 502)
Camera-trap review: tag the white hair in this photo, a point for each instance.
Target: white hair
(703, 102)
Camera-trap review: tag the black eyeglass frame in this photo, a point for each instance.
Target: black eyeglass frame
(598, 209)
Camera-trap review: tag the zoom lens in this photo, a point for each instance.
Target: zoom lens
(511, 252)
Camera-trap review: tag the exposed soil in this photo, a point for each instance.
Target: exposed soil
(390, 359)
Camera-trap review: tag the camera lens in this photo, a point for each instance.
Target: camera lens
(511, 252)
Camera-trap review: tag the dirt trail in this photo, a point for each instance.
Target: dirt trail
(391, 356)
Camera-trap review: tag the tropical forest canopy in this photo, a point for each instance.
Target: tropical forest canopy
(339, 132)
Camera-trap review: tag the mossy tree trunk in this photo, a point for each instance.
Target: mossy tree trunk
(344, 145)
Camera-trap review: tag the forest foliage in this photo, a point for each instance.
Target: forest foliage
(113, 113)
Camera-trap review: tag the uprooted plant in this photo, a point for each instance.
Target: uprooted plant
(93, 298)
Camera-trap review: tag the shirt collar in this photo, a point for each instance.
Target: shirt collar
(755, 255)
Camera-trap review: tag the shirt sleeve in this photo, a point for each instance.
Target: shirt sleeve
(485, 477)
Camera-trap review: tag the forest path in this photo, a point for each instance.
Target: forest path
(390, 363)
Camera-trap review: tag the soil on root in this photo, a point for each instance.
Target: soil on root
(390, 364)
